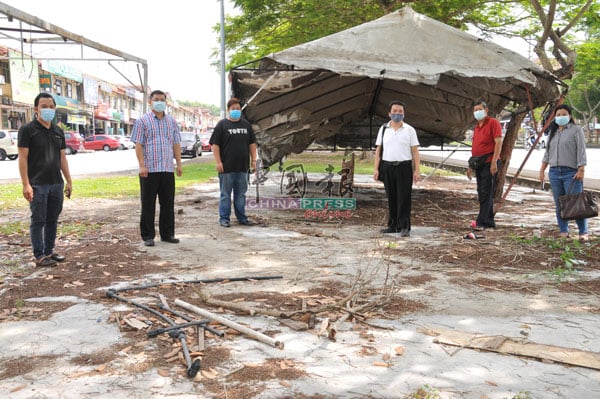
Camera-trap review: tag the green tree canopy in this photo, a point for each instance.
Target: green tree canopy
(266, 26)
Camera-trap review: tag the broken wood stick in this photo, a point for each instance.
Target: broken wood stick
(232, 324)
(512, 346)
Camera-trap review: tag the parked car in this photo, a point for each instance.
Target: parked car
(532, 136)
(204, 141)
(73, 140)
(190, 144)
(126, 143)
(101, 142)
(8, 145)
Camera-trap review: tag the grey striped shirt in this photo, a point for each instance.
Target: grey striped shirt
(566, 148)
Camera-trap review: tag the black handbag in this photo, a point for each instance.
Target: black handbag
(583, 205)
(476, 162)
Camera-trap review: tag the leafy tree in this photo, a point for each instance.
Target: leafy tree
(267, 26)
(584, 94)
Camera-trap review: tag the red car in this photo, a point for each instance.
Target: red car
(204, 141)
(73, 140)
(101, 142)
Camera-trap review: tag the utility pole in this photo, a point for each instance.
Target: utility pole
(222, 58)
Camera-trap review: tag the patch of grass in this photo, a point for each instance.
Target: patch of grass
(522, 395)
(19, 227)
(318, 162)
(114, 187)
(424, 392)
(569, 251)
(79, 229)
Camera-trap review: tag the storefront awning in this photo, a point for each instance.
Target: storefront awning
(66, 103)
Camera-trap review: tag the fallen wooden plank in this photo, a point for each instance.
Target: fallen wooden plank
(515, 346)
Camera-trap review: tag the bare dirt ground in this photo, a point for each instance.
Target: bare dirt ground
(380, 289)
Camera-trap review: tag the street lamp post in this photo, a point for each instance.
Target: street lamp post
(222, 31)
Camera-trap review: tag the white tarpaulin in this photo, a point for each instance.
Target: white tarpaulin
(342, 84)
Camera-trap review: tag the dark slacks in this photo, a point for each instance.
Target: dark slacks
(486, 186)
(161, 184)
(397, 180)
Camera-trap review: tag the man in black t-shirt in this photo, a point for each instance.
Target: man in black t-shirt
(234, 147)
(42, 158)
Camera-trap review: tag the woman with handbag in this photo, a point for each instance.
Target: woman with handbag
(565, 153)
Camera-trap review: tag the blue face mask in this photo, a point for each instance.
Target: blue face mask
(159, 106)
(479, 114)
(235, 114)
(47, 114)
(397, 117)
(562, 120)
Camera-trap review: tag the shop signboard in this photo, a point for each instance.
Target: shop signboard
(24, 77)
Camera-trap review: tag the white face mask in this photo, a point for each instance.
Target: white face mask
(479, 114)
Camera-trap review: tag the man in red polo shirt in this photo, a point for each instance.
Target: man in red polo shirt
(487, 140)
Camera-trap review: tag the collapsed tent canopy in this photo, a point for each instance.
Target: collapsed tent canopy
(342, 84)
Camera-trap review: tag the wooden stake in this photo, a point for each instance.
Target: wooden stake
(231, 324)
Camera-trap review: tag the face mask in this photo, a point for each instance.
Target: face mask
(479, 114)
(159, 106)
(562, 120)
(235, 114)
(47, 114)
(397, 117)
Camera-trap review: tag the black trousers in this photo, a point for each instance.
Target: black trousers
(161, 184)
(397, 180)
(486, 186)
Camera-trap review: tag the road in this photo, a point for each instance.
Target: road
(532, 166)
(100, 162)
(85, 163)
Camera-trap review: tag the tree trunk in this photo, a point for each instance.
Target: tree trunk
(511, 136)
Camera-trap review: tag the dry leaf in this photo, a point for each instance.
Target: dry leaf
(18, 388)
(106, 273)
(399, 350)
(381, 364)
(78, 374)
(209, 374)
(238, 300)
(282, 365)
(285, 383)
(324, 326)
(163, 372)
(78, 283)
(491, 383)
(386, 356)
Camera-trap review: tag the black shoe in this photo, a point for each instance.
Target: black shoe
(57, 257)
(45, 261)
(149, 243)
(225, 223)
(171, 240)
(404, 233)
(389, 230)
(247, 223)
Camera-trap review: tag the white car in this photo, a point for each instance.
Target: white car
(8, 145)
(126, 144)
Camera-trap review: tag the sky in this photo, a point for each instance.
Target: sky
(175, 37)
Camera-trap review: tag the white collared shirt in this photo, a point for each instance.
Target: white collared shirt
(397, 144)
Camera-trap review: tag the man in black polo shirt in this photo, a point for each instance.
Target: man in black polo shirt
(41, 160)
(234, 147)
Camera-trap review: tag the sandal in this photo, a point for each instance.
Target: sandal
(584, 237)
(564, 235)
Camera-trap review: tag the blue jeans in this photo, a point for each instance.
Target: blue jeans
(46, 206)
(560, 179)
(238, 183)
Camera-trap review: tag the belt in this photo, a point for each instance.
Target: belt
(395, 163)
